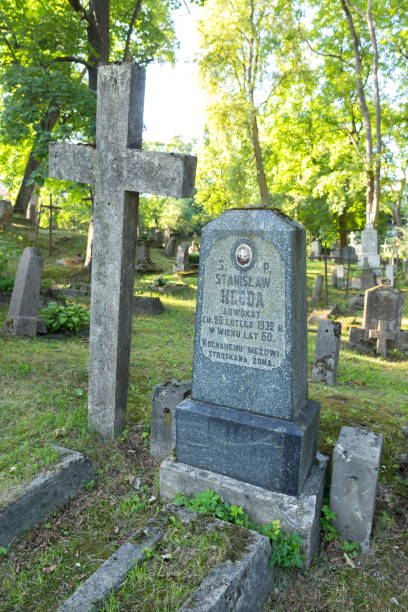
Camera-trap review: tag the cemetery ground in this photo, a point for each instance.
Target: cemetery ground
(43, 401)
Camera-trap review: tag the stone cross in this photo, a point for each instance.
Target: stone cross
(382, 334)
(118, 169)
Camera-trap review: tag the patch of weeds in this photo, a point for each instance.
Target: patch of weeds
(329, 530)
(60, 318)
(285, 546)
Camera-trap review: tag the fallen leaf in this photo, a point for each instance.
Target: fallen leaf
(394, 601)
(137, 484)
(152, 499)
(166, 556)
(50, 569)
(349, 561)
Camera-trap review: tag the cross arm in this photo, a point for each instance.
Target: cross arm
(166, 174)
(71, 162)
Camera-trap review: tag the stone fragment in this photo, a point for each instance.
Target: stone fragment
(356, 465)
(147, 305)
(327, 350)
(165, 398)
(22, 318)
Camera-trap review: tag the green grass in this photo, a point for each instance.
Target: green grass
(43, 400)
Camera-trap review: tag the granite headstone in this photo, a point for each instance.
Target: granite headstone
(249, 416)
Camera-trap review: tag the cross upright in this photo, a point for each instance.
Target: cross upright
(118, 169)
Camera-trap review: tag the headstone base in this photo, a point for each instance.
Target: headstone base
(267, 452)
(299, 515)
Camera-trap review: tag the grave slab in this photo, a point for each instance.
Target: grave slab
(119, 170)
(22, 318)
(26, 505)
(147, 305)
(356, 466)
(317, 289)
(296, 514)
(241, 585)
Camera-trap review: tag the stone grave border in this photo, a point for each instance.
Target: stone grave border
(24, 506)
(240, 586)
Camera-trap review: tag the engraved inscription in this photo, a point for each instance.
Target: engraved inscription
(243, 307)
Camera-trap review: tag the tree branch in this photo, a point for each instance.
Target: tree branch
(130, 29)
(77, 60)
(10, 48)
(334, 55)
(355, 8)
(77, 6)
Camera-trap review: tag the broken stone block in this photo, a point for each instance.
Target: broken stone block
(356, 466)
(165, 398)
(326, 357)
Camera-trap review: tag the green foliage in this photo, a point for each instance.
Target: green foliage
(351, 548)
(7, 251)
(285, 546)
(330, 531)
(59, 318)
(6, 284)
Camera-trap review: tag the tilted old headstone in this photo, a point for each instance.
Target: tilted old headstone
(327, 350)
(22, 318)
(165, 398)
(317, 289)
(249, 418)
(315, 250)
(119, 170)
(171, 247)
(367, 278)
(182, 258)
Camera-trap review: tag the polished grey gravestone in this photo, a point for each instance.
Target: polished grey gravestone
(327, 350)
(119, 170)
(22, 318)
(249, 416)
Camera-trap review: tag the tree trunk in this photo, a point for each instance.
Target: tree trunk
(377, 172)
(260, 172)
(343, 228)
(98, 37)
(365, 114)
(33, 163)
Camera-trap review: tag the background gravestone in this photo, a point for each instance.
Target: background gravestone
(317, 289)
(6, 212)
(368, 278)
(22, 316)
(326, 356)
(165, 398)
(171, 247)
(182, 258)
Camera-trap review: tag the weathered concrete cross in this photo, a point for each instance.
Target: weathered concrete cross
(119, 170)
(383, 335)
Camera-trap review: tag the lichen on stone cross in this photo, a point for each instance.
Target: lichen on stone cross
(118, 169)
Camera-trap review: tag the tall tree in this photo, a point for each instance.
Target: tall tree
(44, 51)
(242, 42)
